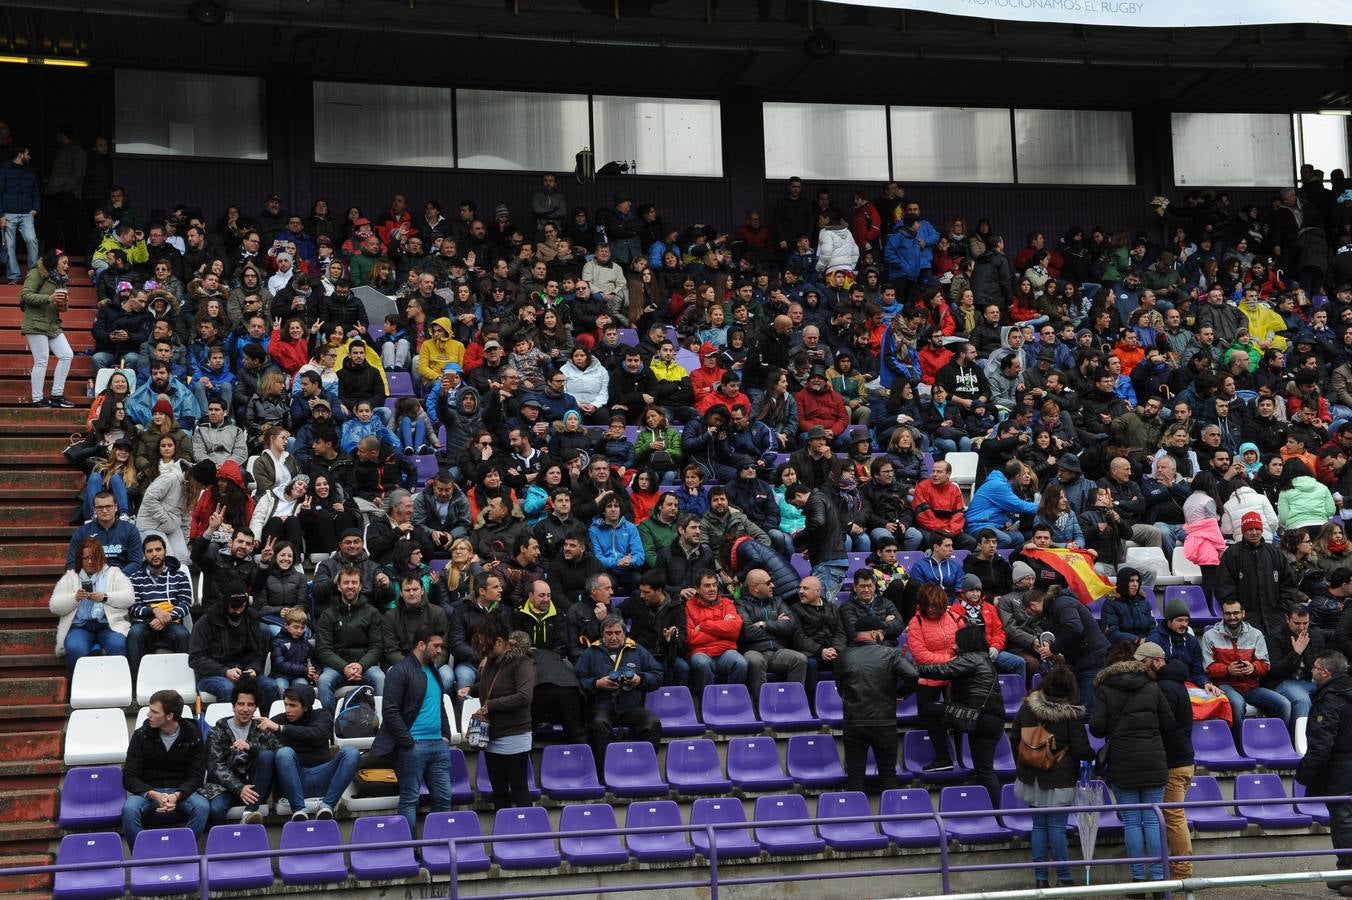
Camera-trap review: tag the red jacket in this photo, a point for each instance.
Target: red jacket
(866, 225)
(1220, 648)
(290, 355)
(703, 382)
(702, 404)
(826, 409)
(931, 361)
(711, 630)
(948, 497)
(932, 642)
(995, 629)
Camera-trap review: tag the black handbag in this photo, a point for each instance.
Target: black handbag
(960, 717)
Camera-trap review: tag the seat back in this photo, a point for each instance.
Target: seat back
(100, 681)
(1212, 736)
(567, 764)
(631, 759)
(960, 798)
(671, 703)
(1266, 786)
(1204, 787)
(727, 703)
(693, 757)
(830, 707)
(1266, 736)
(843, 805)
(160, 671)
(1012, 691)
(784, 701)
(812, 753)
(780, 807)
(1151, 558)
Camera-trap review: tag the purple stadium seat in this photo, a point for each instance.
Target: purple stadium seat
(90, 884)
(1004, 756)
(171, 878)
(92, 797)
(1012, 692)
(727, 710)
(485, 786)
(800, 565)
(1268, 741)
(239, 874)
(1265, 815)
(754, 765)
(917, 752)
(814, 762)
(401, 383)
(469, 855)
(1210, 818)
(971, 829)
(629, 337)
(461, 790)
(676, 708)
(389, 862)
(1315, 809)
(1198, 609)
(908, 558)
(1005, 554)
(783, 707)
(568, 772)
(830, 708)
(426, 465)
(312, 868)
(909, 832)
(591, 850)
(631, 770)
(1213, 746)
(785, 840)
(657, 846)
(537, 853)
(693, 767)
(908, 710)
(730, 842)
(848, 835)
(1014, 814)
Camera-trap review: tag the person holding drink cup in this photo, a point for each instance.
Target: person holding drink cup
(43, 299)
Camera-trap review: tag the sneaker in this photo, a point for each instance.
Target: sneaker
(56, 401)
(300, 815)
(324, 812)
(39, 403)
(408, 451)
(938, 765)
(426, 450)
(252, 817)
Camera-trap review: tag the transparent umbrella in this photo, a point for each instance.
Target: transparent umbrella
(1088, 793)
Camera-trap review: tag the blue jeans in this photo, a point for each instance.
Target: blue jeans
(331, 679)
(948, 445)
(96, 483)
(466, 675)
(1170, 537)
(1049, 843)
(911, 539)
(429, 762)
(731, 667)
(143, 639)
(1142, 830)
(1297, 693)
(82, 640)
(1011, 664)
(413, 432)
(221, 687)
(192, 807)
(282, 683)
(858, 543)
(832, 576)
(262, 781)
(780, 542)
(1268, 701)
(296, 782)
(1007, 539)
(225, 391)
(20, 224)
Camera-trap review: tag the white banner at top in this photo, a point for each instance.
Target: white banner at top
(1136, 13)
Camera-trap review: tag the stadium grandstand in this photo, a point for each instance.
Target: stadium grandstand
(496, 448)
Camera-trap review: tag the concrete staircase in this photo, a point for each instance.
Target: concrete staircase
(37, 500)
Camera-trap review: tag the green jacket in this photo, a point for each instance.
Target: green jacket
(655, 535)
(349, 634)
(643, 445)
(40, 315)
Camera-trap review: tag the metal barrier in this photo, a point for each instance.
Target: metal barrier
(714, 882)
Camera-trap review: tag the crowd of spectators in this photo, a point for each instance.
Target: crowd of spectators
(638, 426)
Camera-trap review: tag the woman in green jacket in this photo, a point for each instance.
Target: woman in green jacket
(658, 445)
(43, 300)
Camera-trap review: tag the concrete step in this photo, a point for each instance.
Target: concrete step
(40, 483)
(24, 593)
(30, 805)
(36, 558)
(29, 421)
(17, 363)
(31, 747)
(18, 887)
(26, 641)
(75, 319)
(37, 519)
(33, 691)
(17, 390)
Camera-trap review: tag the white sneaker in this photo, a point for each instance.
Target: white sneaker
(252, 817)
(300, 815)
(324, 812)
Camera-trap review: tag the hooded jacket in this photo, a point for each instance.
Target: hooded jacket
(434, 353)
(748, 553)
(311, 734)
(1127, 618)
(506, 687)
(201, 511)
(40, 315)
(1306, 502)
(1065, 721)
(1221, 646)
(1326, 768)
(1131, 712)
(347, 634)
(400, 624)
(611, 543)
(218, 644)
(994, 503)
(462, 421)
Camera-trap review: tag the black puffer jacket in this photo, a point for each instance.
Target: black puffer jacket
(1177, 740)
(1326, 769)
(975, 682)
(748, 554)
(1132, 713)
(1065, 721)
(871, 677)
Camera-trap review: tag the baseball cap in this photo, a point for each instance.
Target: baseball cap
(492, 345)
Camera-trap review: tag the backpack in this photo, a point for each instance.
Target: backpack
(1037, 748)
(357, 717)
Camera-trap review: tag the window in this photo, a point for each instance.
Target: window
(815, 140)
(384, 125)
(514, 130)
(662, 137)
(931, 143)
(188, 115)
(1323, 142)
(1233, 149)
(1073, 146)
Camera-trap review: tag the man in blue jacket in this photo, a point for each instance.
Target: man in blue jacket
(995, 506)
(908, 255)
(616, 674)
(414, 730)
(20, 200)
(119, 537)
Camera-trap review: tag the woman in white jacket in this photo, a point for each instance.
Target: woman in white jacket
(589, 383)
(164, 508)
(1246, 499)
(277, 513)
(92, 603)
(836, 247)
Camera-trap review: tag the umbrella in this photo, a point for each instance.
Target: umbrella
(378, 306)
(1088, 793)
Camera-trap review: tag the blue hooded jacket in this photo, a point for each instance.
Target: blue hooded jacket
(994, 503)
(610, 545)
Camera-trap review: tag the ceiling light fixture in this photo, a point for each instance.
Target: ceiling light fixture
(67, 62)
(206, 12)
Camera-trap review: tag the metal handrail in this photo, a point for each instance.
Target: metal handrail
(945, 869)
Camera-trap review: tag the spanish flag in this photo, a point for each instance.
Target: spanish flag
(1077, 568)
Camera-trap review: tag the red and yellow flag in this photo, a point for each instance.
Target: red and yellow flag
(1077, 568)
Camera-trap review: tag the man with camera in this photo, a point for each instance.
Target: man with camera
(616, 674)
